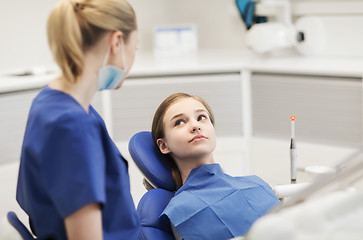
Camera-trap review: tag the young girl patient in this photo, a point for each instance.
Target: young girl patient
(208, 203)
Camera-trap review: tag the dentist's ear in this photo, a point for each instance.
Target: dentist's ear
(162, 146)
(116, 39)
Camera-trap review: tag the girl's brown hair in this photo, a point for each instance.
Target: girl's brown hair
(76, 25)
(157, 129)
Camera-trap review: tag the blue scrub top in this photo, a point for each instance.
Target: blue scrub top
(68, 160)
(213, 205)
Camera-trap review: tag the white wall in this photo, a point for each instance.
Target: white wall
(23, 33)
(218, 21)
(23, 41)
(23, 24)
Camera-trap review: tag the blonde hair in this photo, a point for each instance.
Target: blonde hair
(157, 128)
(76, 25)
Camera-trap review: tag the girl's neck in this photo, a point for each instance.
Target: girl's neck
(187, 165)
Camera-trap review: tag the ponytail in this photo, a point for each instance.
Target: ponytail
(76, 25)
(65, 40)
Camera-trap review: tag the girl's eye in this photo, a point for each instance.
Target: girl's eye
(201, 117)
(179, 122)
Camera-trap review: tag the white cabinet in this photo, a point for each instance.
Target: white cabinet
(328, 109)
(134, 105)
(14, 109)
(251, 96)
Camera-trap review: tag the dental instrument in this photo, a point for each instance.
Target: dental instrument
(293, 150)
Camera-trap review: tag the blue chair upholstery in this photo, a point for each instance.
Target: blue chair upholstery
(151, 161)
(19, 226)
(151, 205)
(154, 167)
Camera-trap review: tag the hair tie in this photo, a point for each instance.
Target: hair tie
(78, 6)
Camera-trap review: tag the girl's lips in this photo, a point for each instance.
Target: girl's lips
(198, 138)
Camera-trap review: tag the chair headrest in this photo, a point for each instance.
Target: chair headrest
(151, 162)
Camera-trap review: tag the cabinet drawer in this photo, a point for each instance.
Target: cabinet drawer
(134, 105)
(328, 109)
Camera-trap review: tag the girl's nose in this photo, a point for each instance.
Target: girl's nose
(196, 129)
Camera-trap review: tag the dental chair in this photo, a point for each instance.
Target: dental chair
(159, 183)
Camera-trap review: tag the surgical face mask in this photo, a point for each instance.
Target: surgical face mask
(110, 77)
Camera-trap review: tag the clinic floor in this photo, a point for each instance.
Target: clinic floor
(269, 160)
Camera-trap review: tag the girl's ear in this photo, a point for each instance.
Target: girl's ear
(162, 146)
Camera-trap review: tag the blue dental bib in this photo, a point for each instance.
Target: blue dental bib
(214, 205)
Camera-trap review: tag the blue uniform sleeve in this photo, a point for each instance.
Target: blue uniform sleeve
(73, 163)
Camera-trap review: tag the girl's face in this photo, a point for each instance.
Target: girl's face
(188, 131)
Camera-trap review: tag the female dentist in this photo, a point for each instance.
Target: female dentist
(73, 182)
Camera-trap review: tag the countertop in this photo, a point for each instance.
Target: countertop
(204, 62)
